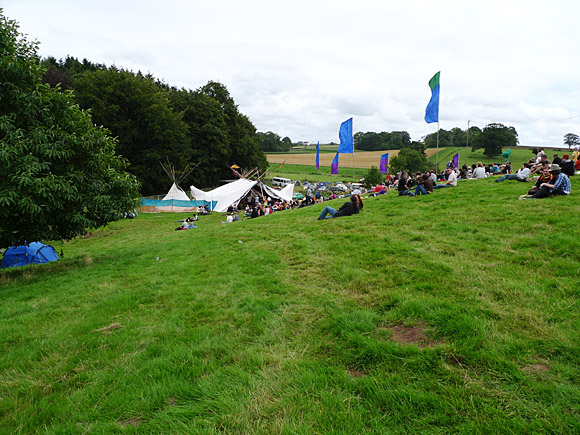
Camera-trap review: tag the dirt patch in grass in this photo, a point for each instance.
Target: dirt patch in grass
(130, 422)
(357, 373)
(535, 368)
(408, 335)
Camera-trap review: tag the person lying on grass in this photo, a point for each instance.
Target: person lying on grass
(522, 174)
(560, 186)
(348, 209)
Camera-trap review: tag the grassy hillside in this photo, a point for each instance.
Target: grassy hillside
(518, 156)
(310, 173)
(453, 312)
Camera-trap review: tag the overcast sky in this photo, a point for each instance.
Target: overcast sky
(301, 67)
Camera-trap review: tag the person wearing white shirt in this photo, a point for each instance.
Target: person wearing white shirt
(521, 175)
(479, 172)
(451, 180)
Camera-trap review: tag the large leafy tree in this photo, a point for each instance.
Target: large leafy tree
(493, 138)
(138, 112)
(59, 172)
(241, 133)
(408, 160)
(571, 140)
(207, 131)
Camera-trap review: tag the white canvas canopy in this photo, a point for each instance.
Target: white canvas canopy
(233, 192)
(176, 193)
(284, 194)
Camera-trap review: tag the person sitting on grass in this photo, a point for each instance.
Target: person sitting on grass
(567, 165)
(348, 209)
(451, 179)
(187, 224)
(560, 186)
(479, 171)
(545, 177)
(425, 185)
(403, 186)
(521, 175)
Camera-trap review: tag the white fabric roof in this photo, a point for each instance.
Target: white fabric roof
(176, 193)
(225, 195)
(284, 194)
(230, 193)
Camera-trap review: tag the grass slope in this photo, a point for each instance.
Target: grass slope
(518, 156)
(453, 312)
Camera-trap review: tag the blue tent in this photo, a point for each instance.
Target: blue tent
(35, 252)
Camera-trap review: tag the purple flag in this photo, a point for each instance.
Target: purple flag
(456, 161)
(318, 155)
(334, 166)
(384, 163)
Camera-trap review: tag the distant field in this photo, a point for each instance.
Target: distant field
(362, 159)
(366, 159)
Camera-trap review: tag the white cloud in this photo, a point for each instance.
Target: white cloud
(300, 68)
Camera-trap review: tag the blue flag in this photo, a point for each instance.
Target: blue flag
(432, 111)
(318, 155)
(345, 134)
(334, 165)
(384, 163)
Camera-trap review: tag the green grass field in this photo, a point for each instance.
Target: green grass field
(455, 312)
(310, 173)
(518, 156)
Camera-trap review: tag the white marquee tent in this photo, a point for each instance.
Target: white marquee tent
(235, 191)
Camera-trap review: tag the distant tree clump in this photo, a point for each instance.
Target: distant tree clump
(408, 160)
(371, 141)
(270, 141)
(60, 173)
(493, 138)
(571, 140)
(373, 177)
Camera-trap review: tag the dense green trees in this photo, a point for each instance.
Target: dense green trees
(371, 141)
(59, 173)
(408, 160)
(270, 141)
(494, 138)
(373, 177)
(451, 138)
(155, 122)
(139, 114)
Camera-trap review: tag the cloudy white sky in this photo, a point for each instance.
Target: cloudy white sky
(301, 67)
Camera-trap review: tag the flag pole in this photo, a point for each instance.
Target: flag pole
(467, 144)
(437, 159)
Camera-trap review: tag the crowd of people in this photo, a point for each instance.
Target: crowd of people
(550, 177)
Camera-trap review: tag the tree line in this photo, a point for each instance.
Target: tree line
(154, 121)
